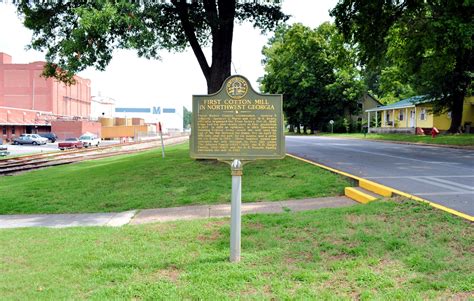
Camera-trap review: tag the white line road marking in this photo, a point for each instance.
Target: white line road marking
(428, 181)
(403, 177)
(441, 193)
(452, 183)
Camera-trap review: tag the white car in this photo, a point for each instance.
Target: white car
(89, 140)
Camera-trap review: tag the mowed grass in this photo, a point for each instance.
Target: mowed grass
(145, 180)
(446, 139)
(383, 251)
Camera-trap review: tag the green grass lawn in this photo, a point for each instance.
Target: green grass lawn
(383, 251)
(145, 180)
(447, 139)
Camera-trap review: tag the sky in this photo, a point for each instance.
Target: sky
(139, 82)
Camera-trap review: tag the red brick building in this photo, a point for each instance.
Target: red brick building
(29, 102)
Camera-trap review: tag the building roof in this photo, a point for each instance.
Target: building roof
(404, 103)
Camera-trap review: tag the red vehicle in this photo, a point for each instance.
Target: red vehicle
(70, 143)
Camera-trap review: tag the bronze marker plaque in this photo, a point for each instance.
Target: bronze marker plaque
(237, 123)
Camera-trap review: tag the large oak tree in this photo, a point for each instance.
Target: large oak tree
(431, 41)
(82, 33)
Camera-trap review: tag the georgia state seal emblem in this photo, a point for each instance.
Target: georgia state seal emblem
(237, 87)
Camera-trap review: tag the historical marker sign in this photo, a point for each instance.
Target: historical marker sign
(237, 123)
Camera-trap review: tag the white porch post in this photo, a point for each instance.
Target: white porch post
(415, 117)
(383, 118)
(406, 116)
(368, 122)
(393, 118)
(376, 119)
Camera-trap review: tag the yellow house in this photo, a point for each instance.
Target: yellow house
(415, 112)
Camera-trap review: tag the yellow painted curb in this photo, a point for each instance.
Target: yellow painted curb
(393, 190)
(358, 196)
(375, 188)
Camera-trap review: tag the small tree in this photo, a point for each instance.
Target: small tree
(187, 118)
(316, 72)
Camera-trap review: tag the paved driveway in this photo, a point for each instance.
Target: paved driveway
(441, 175)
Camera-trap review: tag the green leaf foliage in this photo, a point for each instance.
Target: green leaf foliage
(79, 34)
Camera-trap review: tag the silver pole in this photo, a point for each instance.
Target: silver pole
(235, 222)
(162, 145)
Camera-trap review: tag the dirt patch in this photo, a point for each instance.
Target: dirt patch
(171, 273)
(215, 224)
(213, 236)
(461, 296)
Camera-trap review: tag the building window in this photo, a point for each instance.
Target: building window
(387, 116)
(423, 114)
(401, 117)
(4, 130)
(13, 130)
(360, 107)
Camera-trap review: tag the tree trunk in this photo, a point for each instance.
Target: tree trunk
(298, 130)
(221, 20)
(456, 112)
(222, 35)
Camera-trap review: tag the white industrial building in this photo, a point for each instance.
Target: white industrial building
(102, 106)
(171, 117)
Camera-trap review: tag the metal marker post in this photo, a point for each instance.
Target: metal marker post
(162, 143)
(236, 200)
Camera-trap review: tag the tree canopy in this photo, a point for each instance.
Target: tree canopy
(426, 44)
(82, 33)
(316, 72)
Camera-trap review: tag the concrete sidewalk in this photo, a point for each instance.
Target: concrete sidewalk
(66, 220)
(223, 210)
(166, 214)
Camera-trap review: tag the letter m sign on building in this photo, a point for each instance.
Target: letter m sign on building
(157, 110)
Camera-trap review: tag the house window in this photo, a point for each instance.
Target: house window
(401, 116)
(4, 130)
(387, 116)
(360, 106)
(423, 114)
(13, 130)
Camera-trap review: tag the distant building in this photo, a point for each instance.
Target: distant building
(416, 112)
(170, 117)
(102, 106)
(30, 102)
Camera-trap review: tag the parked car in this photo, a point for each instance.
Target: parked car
(34, 139)
(89, 140)
(50, 136)
(70, 143)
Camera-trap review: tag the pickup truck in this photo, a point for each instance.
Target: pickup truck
(70, 143)
(89, 140)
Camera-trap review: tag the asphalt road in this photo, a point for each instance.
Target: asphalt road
(442, 175)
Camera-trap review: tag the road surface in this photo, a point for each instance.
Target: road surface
(442, 175)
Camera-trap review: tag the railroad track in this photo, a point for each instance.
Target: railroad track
(27, 163)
